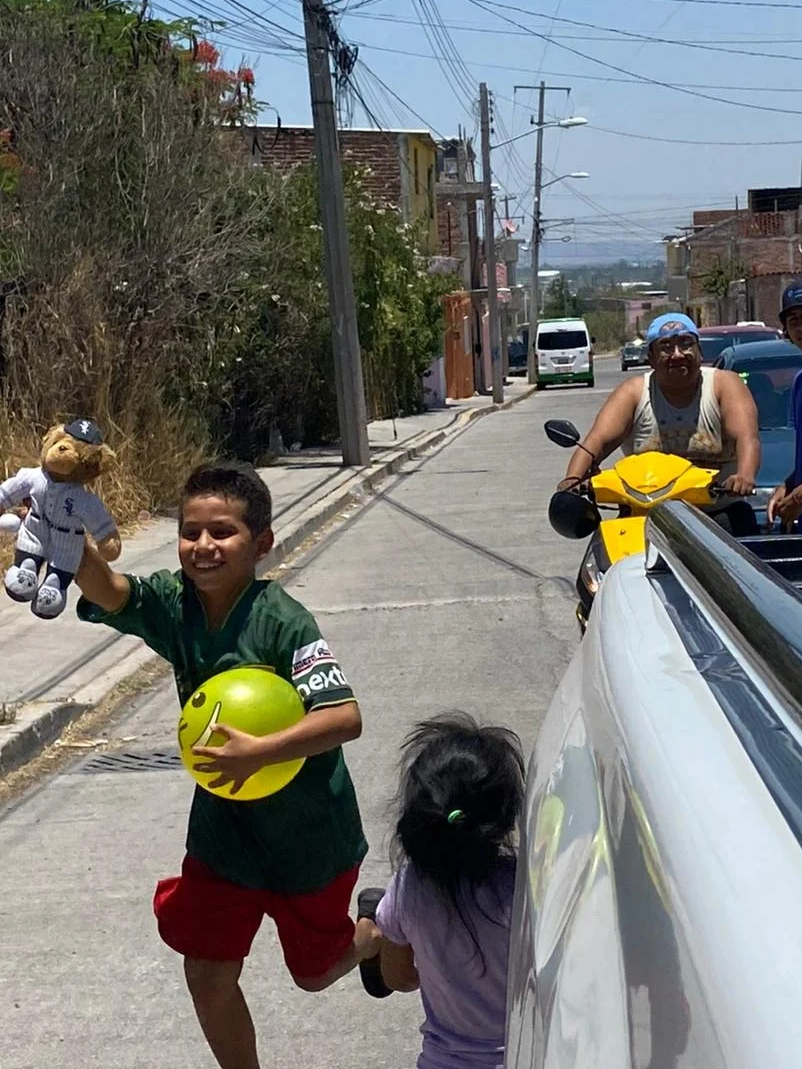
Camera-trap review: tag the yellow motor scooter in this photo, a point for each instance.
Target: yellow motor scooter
(633, 486)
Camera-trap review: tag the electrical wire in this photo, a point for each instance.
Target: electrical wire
(671, 15)
(452, 68)
(745, 3)
(633, 36)
(686, 141)
(429, 126)
(483, 5)
(611, 33)
(582, 77)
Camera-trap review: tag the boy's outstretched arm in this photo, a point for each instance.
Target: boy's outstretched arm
(324, 728)
(99, 583)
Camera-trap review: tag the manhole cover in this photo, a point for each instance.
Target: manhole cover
(157, 761)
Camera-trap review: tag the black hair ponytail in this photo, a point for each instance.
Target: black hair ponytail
(461, 794)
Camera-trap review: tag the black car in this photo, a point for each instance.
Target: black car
(714, 340)
(517, 355)
(768, 368)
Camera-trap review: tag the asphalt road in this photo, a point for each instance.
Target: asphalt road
(448, 590)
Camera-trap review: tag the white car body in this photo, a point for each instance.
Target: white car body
(657, 919)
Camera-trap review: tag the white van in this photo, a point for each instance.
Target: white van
(564, 352)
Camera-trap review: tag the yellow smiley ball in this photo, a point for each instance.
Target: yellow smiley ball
(252, 699)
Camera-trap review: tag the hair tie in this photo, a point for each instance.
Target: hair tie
(456, 816)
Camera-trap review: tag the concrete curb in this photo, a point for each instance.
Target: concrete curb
(37, 731)
(38, 725)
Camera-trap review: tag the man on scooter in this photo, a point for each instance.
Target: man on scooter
(701, 413)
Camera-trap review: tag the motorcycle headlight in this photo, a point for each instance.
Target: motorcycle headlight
(592, 574)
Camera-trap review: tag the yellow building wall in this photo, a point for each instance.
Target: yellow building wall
(419, 160)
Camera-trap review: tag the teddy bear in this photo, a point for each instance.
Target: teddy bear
(61, 510)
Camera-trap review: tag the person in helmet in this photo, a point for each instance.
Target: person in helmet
(704, 414)
(786, 501)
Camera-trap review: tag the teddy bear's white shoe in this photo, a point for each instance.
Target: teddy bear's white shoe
(21, 582)
(50, 599)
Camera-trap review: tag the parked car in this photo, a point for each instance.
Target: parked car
(516, 355)
(713, 340)
(656, 918)
(634, 354)
(768, 368)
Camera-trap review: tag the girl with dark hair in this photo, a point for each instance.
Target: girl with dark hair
(445, 918)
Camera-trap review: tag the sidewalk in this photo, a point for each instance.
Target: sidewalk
(54, 671)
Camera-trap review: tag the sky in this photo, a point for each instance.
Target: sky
(642, 72)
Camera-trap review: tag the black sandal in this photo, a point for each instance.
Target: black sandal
(370, 968)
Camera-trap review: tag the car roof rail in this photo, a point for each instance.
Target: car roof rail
(756, 609)
(758, 617)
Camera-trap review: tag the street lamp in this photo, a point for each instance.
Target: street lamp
(537, 127)
(562, 178)
(540, 185)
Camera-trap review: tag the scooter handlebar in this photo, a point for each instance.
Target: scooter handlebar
(717, 490)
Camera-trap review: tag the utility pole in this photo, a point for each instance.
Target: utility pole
(537, 229)
(350, 387)
(534, 304)
(490, 248)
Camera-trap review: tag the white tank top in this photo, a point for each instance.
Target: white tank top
(694, 432)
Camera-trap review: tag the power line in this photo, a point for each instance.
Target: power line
(219, 13)
(744, 3)
(582, 77)
(456, 75)
(633, 36)
(665, 22)
(482, 5)
(686, 141)
(610, 33)
(409, 108)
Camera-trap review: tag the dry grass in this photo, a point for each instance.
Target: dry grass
(124, 236)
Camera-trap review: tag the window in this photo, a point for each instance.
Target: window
(562, 339)
(417, 172)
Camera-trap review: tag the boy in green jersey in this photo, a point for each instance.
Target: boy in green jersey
(295, 855)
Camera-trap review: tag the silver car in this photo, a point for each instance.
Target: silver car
(657, 918)
(634, 354)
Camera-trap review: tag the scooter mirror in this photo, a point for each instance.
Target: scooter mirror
(562, 432)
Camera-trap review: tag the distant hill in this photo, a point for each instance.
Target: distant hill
(570, 253)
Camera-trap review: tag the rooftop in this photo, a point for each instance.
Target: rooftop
(348, 129)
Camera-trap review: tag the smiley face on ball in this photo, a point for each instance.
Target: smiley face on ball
(198, 701)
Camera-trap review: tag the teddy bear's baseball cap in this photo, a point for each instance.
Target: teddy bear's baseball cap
(85, 430)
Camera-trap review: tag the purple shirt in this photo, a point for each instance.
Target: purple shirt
(796, 422)
(464, 997)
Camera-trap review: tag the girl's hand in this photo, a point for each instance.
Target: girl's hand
(238, 759)
(774, 503)
(790, 507)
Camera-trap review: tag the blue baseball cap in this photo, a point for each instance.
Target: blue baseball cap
(792, 298)
(670, 325)
(85, 430)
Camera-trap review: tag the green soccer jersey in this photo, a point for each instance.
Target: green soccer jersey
(302, 837)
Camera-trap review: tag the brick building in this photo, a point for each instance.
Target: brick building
(458, 193)
(758, 246)
(402, 165)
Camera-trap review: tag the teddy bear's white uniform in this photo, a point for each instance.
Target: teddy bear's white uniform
(53, 530)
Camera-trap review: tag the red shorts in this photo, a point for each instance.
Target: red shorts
(201, 915)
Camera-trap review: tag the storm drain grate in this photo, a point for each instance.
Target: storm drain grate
(157, 761)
